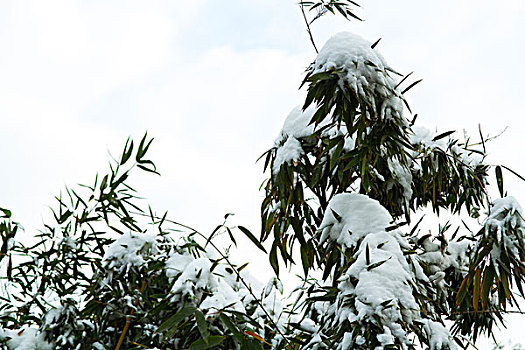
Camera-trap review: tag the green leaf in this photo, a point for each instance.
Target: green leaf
(172, 321)
(375, 44)
(443, 135)
(462, 292)
(477, 287)
(367, 255)
(231, 326)
(402, 80)
(6, 213)
(141, 152)
(336, 216)
(231, 235)
(104, 183)
(488, 278)
(499, 178)
(154, 171)
(207, 343)
(211, 235)
(126, 154)
(512, 171)
(273, 259)
(201, 324)
(411, 86)
(252, 238)
(304, 258)
(377, 264)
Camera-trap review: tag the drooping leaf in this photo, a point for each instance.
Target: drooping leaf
(252, 238)
(174, 320)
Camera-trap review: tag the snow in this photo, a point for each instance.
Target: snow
(291, 151)
(506, 207)
(297, 124)
(439, 337)
(364, 69)
(386, 289)
(128, 251)
(192, 278)
(381, 281)
(359, 214)
(506, 223)
(403, 176)
(25, 339)
(425, 137)
(309, 325)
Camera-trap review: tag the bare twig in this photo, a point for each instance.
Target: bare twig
(308, 27)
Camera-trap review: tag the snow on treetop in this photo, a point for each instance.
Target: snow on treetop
(343, 50)
(363, 68)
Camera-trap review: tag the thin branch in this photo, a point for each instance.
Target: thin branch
(308, 27)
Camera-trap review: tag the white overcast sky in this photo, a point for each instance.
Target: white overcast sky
(212, 81)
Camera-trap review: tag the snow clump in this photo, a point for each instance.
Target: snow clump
(364, 69)
(380, 284)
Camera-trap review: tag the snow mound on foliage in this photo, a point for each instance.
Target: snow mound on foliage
(381, 282)
(127, 251)
(505, 222)
(438, 335)
(297, 126)
(363, 68)
(289, 152)
(25, 339)
(425, 137)
(350, 216)
(194, 278)
(504, 209)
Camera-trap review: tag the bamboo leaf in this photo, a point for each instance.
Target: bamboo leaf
(443, 135)
(375, 44)
(488, 278)
(499, 178)
(462, 292)
(411, 86)
(207, 343)
(377, 264)
(477, 285)
(273, 259)
(252, 237)
(202, 325)
(172, 321)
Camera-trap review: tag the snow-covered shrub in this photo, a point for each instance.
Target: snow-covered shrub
(110, 275)
(349, 171)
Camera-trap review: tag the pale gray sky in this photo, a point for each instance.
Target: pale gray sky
(212, 81)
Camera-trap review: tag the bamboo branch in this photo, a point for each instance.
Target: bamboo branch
(308, 27)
